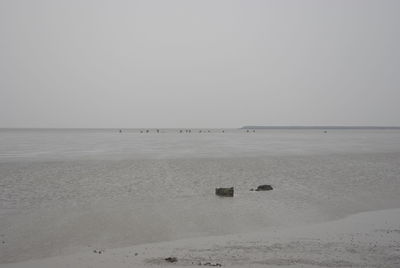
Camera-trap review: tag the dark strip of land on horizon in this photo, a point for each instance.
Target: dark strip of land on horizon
(320, 127)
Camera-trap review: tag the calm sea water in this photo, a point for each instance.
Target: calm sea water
(67, 190)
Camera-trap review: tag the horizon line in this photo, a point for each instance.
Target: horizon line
(243, 127)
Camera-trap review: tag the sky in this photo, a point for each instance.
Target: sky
(205, 63)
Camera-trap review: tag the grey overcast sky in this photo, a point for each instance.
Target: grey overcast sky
(205, 63)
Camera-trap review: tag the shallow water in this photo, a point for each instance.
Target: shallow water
(64, 190)
(108, 144)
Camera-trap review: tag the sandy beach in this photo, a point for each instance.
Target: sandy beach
(369, 239)
(139, 199)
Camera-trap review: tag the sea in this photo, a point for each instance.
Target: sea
(67, 190)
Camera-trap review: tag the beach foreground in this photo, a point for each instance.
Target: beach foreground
(369, 239)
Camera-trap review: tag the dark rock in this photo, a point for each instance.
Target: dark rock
(265, 187)
(171, 259)
(210, 264)
(224, 192)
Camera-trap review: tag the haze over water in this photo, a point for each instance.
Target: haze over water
(63, 190)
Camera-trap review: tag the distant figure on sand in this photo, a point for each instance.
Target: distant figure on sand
(120, 131)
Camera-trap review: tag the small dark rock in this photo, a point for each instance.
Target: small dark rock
(210, 264)
(265, 187)
(224, 192)
(171, 259)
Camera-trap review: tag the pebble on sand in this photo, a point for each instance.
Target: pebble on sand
(171, 259)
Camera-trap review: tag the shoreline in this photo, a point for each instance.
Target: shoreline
(364, 239)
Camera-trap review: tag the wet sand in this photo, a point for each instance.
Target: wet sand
(369, 239)
(105, 200)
